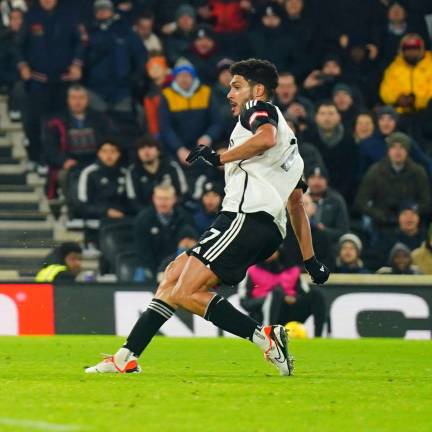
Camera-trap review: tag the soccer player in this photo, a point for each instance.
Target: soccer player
(263, 171)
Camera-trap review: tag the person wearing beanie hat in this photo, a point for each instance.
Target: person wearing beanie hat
(103, 4)
(205, 54)
(405, 84)
(343, 98)
(101, 190)
(144, 27)
(349, 255)
(63, 264)
(399, 261)
(422, 256)
(181, 34)
(188, 115)
(210, 205)
(150, 168)
(392, 180)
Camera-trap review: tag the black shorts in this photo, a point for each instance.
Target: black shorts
(234, 242)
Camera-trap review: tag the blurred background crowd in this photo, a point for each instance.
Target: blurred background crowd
(113, 94)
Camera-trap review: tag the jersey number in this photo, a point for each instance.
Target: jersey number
(214, 233)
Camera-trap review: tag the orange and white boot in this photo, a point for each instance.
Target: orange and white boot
(273, 341)
(122, 362)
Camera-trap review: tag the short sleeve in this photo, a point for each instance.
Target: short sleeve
(257, 113)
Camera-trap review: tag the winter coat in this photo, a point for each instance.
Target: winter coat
(400, 78)
(422, 257)
(383, 189)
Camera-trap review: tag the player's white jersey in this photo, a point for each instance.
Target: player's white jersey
(263, 182)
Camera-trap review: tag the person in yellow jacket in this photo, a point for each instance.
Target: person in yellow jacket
(62, 265)
(422, 256)
(407, 82)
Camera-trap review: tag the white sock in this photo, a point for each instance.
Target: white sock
(260, 340)
(122, 356)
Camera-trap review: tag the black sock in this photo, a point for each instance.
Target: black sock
(148, 324)
(225, 316)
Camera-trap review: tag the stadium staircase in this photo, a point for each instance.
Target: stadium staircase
(27, 229)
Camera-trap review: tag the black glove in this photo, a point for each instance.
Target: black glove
(318, 271)
(205, 153)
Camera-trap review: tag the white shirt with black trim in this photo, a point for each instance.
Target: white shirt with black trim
(263, 182)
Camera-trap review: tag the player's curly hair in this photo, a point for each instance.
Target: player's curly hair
(258, 71)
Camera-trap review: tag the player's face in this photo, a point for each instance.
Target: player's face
(241, 92)
(148, 154)
(77, 101)
(109, 155)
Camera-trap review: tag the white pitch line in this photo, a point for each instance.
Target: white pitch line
(38, 425)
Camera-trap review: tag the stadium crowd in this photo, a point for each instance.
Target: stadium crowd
(114, 94)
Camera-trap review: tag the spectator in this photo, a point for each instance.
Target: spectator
(400, 262)
(343, 98)
(70, 139)
(374, 148)
(270, 41)
(398, 25)
(115, 57)
(101, 186)
(422, 256)
(144, 28)
(406, 82)
(211, 202)
(219, 94)
(188, 116)
(205, 54)
(337, 147)
(150, 169)
(409, 230)
(364, 127)
(9, 77)
(159, 74)
(177, 44)
(63, 264)
(319, 84)
(230, 15)
(50, 55)
(157, 228)
(7, 6)
(349, 256)
(187, 239)
(274, 294)
(331, 214)
(391, 181)
(290, 101)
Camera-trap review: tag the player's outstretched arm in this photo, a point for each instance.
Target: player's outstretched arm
(300, 223)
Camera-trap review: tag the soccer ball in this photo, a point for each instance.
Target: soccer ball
(296, 330)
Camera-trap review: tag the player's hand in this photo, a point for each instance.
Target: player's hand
(318, 271)
(206, 154)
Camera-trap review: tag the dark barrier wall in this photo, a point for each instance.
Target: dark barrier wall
(358, 307)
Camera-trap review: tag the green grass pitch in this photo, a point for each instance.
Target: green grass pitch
(216, 385)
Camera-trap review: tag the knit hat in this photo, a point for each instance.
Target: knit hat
(103, 4)
(212, 187)
(272, 9)
(408, 205)
(342, 88)
(204, 31)
(316, 170)
(352, 238)
(399, 138)
(185, 9)
(398, 247)
(183, 65)
(224, 64)
(389, 110)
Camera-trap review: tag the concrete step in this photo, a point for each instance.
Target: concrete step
(19, 197)
(23, 215)
(24, 235)
(21, 259)
(16, 188)
(25, 226)
(13, 179)
(19, 206)
(13, 169)
(9, 161)
(6, 152)
(29, 243)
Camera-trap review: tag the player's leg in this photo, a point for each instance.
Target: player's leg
(151, 320)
